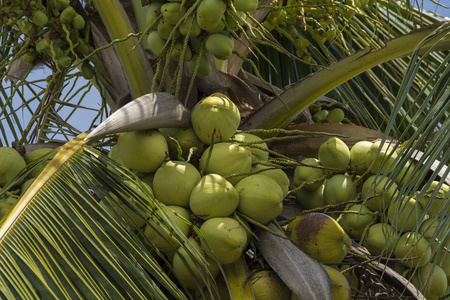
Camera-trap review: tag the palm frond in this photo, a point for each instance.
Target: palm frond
(58, 242)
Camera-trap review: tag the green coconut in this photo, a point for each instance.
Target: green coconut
(404, 213)
(255, 146)
(162, 238)
(439, 204)
(226, 159)
(185, 138)
(431, 281)
(276, 173)
(311, 178)
(358, 154)
(338, 189)
(380, 239)
(267, 285)
(142, 151)
(260, 198)
(174, 181)
(35, 155)
(380, 158)
(213, 196)
(225, 237)
(414, 248)
(187, 271)
(356, 219)
(310, 199)
(215, 116)
(379, 192)
(334, 153)
(11, 163)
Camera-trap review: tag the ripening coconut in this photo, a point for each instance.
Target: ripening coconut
(320, 236)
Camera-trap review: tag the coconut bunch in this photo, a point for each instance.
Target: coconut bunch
(54, 32)
(188, 30)
(355, 187)
(209, 174)
(321, 20)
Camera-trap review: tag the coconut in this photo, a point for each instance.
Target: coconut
(267, 285)
(34, 155)
(255, 146)
(335, 116)
(225, 237)
(174, 181)
(213, 196)
(356, 219)
(276, 173)
(414, 248)
(439, 205)
(187, 271)
(379, 192)
(156, 232)
(358, 155)
(11, 163)
(226, 159)
(260, 198)
(142, 151)
(311, 178)
(185, 138)
(339, 283)
(380, 239)
(310, 199)
(404, 213)
(431, 281)
(380, 158)
(334, 153)
(215, 116)
(320, 236)
(338, 189)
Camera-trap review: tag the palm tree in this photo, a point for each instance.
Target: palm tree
(386, 63)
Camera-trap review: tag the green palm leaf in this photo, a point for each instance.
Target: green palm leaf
(59, 243)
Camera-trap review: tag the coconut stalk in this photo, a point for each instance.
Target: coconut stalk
(136, 66)
(296, 98)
